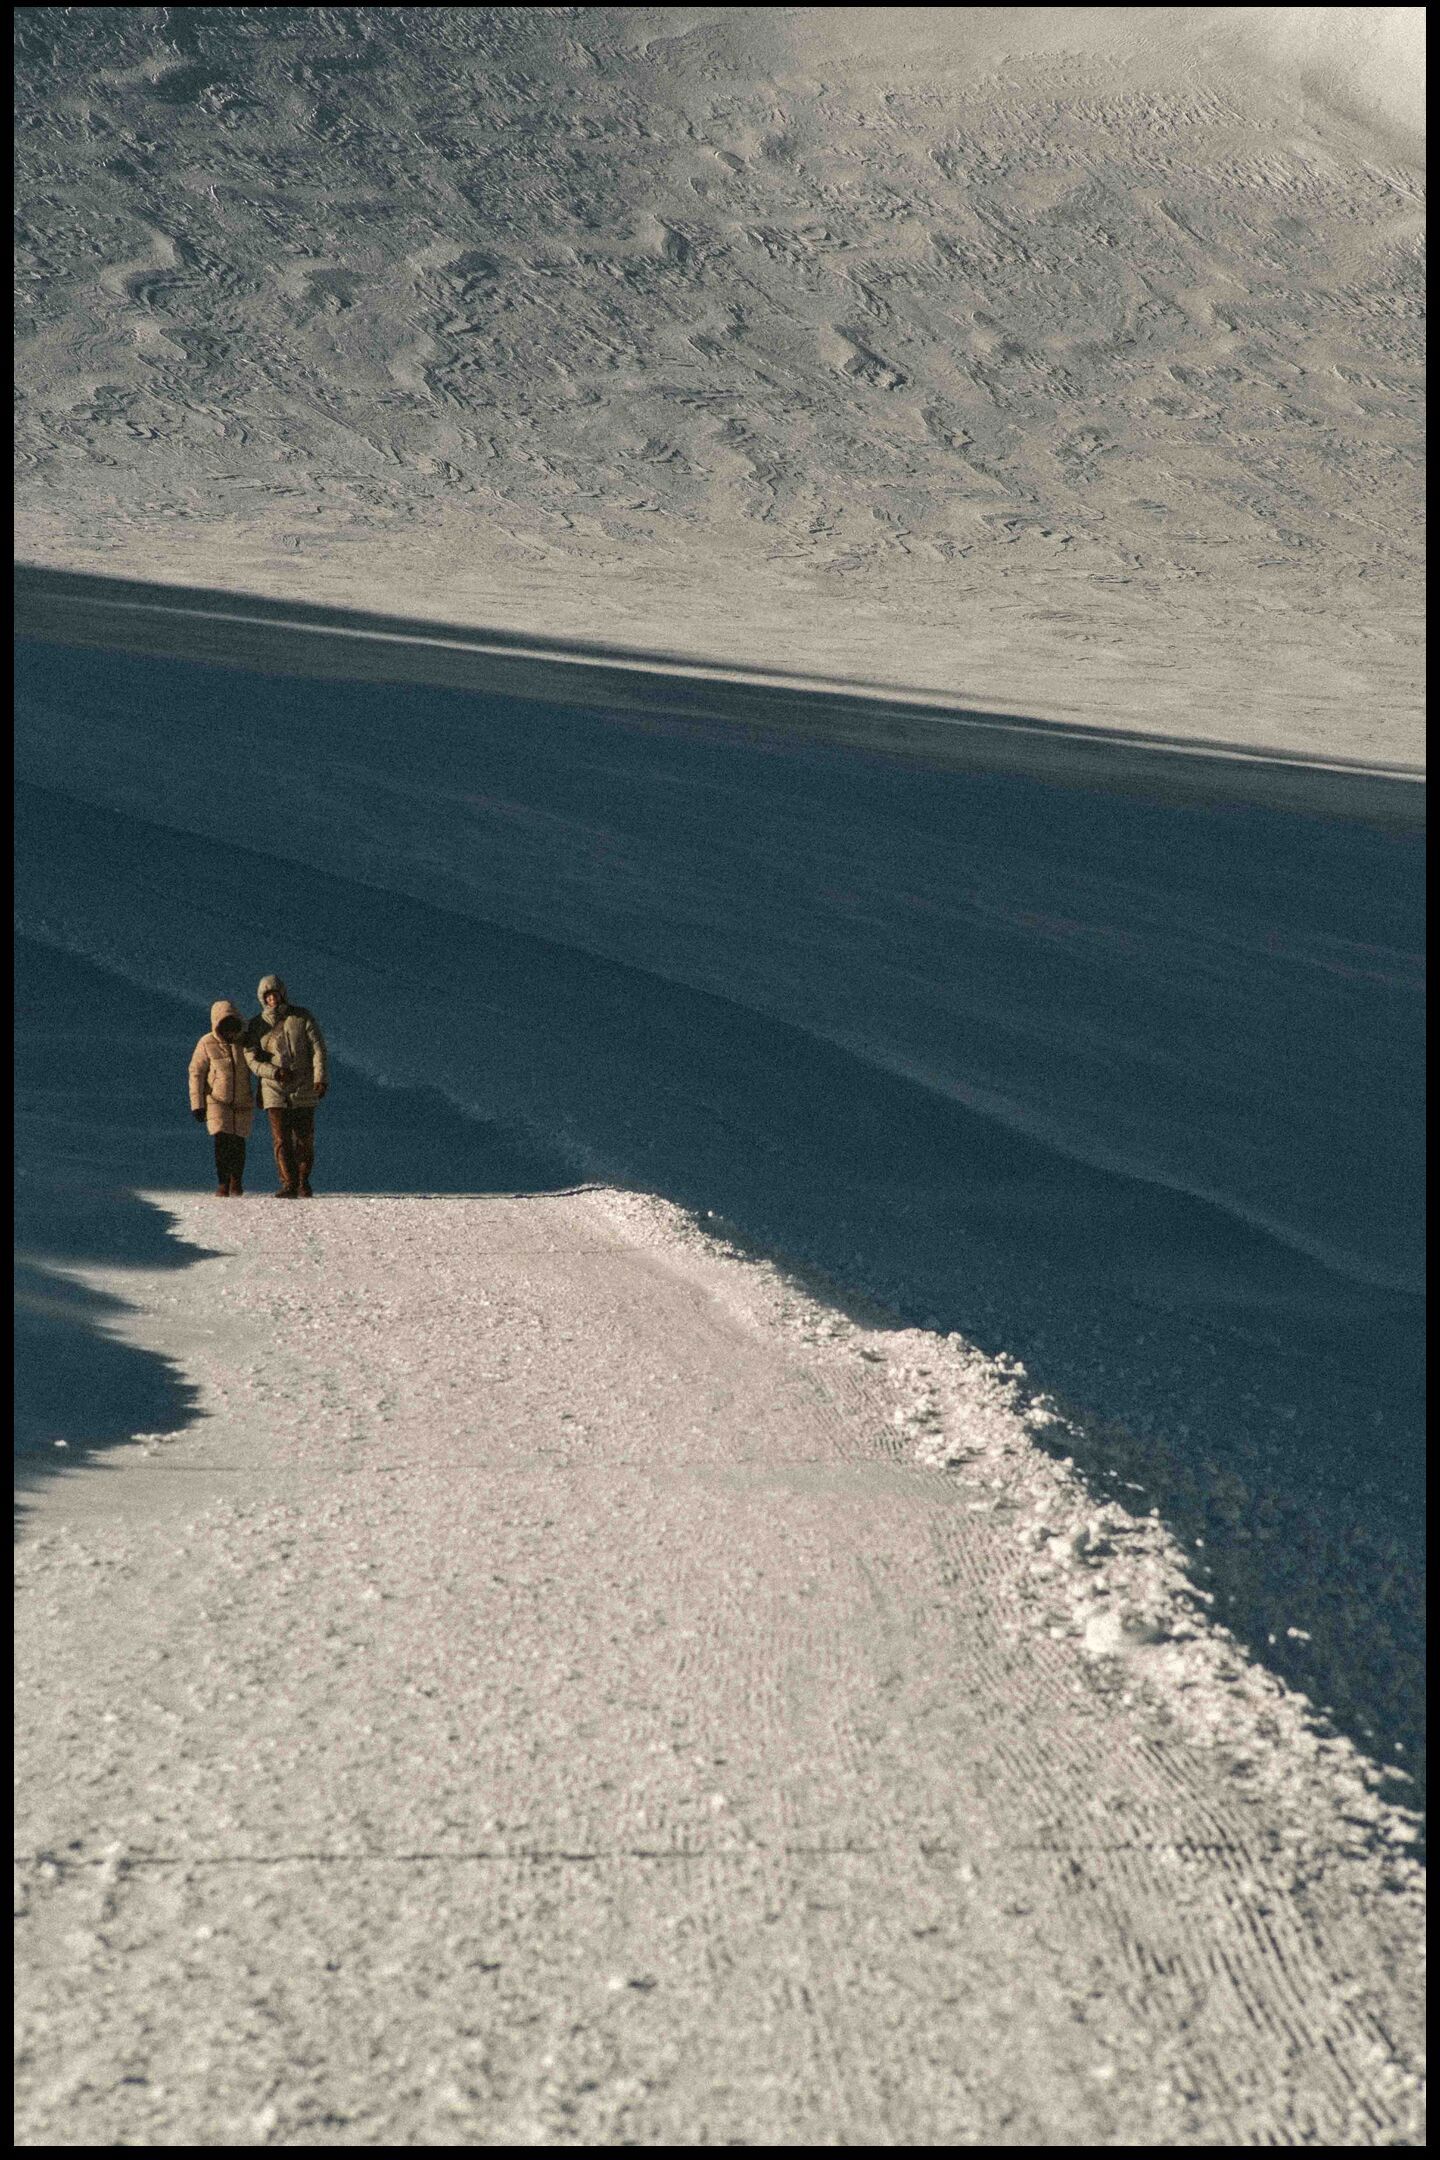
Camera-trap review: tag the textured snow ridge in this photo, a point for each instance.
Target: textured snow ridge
(1068, 360)
(1114, 1582)
(575, 1682)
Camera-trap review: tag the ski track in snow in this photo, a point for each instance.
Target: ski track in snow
(574, 1685)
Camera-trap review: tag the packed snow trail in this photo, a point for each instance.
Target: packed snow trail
(575, 1686)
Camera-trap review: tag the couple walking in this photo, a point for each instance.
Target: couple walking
(285, 1050)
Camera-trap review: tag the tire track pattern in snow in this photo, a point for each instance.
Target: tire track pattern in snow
(576, 1684)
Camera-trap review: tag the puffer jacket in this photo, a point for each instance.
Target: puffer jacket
(289, 1038)
(219, 1082)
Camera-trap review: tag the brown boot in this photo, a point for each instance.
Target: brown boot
(222, 1192)
(282, 1138)
(236, 1188)
(302, 1126)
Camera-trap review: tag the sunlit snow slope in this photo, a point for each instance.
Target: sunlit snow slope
(1062, 359)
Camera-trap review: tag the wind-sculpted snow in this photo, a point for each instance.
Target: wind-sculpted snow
(1068, 360)
(1122, 1086)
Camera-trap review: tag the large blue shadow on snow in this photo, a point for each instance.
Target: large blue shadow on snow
(1121, 1078)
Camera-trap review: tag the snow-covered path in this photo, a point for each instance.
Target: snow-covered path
(574, 1685)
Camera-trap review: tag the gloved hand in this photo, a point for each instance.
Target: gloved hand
(199, 1116)
(322, 1089)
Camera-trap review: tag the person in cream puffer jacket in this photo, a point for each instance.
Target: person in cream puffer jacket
(285, 1049)
(222, 1097)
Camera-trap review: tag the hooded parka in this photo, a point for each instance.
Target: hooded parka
(286, 1041)
(219, 1081)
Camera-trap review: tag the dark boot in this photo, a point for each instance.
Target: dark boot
(236, 1188)
(229, 1162)
(222, 1192)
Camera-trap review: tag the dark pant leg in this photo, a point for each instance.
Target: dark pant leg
(302, 1125)
(229, 1155)
(222, 1158)
(282, 1140)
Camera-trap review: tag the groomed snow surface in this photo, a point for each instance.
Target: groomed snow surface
(766, 1561)
(576, 1687)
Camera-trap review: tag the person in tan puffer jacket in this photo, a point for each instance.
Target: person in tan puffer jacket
(222, 1097)
(285, 1049)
